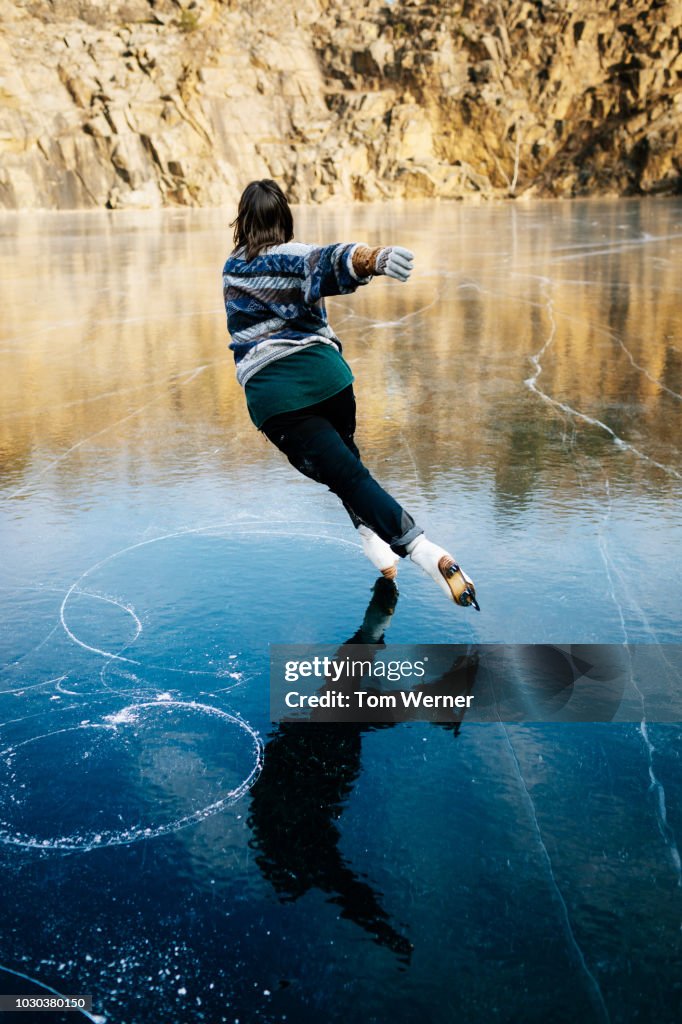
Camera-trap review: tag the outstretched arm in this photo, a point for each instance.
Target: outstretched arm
(340, 269)
(391, 260)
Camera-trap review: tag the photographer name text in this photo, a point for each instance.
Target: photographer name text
(361, 699)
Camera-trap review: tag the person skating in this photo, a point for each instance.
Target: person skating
(298, 386)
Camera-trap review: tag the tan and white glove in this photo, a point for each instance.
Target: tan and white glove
(395, 262)
(391, 261)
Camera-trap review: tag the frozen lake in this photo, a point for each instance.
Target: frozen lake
(163, 846)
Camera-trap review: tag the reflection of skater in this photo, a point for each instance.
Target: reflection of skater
(299, 387)
(363, 648)
(308, 776)
(309, 772)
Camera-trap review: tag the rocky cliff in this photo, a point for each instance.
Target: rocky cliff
(126, 103)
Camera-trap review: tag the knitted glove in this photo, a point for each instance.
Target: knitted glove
(394, 261)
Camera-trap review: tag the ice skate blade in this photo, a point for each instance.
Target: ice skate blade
(463, 590)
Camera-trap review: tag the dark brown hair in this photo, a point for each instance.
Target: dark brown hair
(263, 218)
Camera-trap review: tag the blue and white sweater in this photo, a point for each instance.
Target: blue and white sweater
(275, 302)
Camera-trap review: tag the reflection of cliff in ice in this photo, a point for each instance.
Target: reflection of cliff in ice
(128, 338)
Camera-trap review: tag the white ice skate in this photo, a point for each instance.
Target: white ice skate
(379, 553)
(442, 568)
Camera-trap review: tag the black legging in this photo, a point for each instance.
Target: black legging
(318, 442)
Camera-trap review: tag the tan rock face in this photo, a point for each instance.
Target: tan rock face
(161, 102)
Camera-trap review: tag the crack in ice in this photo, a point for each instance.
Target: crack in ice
(95, 1018)
(532, 385)
(596, 994)
(190, 376)
(655, 785)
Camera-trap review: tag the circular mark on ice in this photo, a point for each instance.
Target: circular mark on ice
(146, 770)
(200, 595)
(114, 618)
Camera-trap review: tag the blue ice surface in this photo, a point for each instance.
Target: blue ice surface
(167, 849)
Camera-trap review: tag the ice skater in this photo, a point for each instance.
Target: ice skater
(298, 386)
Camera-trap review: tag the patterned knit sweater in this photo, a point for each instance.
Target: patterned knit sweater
(275, 302)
